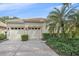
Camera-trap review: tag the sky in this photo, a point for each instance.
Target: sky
(27, 10)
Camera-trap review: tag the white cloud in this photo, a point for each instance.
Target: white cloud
(13, 6)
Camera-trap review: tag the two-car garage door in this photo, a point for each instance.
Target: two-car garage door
(15, 34)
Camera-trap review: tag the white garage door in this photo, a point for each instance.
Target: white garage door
(34, 33)
(13, 35)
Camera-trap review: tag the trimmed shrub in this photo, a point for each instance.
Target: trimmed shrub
(46, 36)
(2, 36)
(24, 37)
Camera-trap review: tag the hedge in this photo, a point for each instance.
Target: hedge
(24, 37)
(65, 46)
(46, 36)
(2, 36)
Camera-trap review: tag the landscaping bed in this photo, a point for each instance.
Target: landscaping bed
(64, 46)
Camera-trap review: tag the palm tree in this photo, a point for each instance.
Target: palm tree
(61, 15)
(75, 22)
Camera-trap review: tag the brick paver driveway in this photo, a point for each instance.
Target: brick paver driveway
(35, 47)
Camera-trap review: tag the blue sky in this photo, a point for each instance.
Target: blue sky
(27, 10)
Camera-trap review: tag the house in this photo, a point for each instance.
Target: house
(2, 27)
(34, 27)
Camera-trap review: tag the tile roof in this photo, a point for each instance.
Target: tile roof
(36, 20)
(2, 24)
(30, 20)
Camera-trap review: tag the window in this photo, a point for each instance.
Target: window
(15, 28)
(35, 28)
(38, 28)
(19, 28)
(22, 28)
(32, 28)
(12, 28)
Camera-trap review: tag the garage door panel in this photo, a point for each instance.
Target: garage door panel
(13, 35)
(34, 34)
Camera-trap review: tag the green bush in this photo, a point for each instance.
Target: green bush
(62, 45)
(2, 36)
(46, 36)
(65, 46)
(24, 37)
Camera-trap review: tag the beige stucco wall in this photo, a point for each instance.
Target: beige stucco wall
(24, 31)
(42, 25)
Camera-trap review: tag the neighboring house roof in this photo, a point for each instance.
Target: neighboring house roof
(2, 24)
(31, 20)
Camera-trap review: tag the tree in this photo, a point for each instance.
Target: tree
(7, 18)
(61, 15)
(75, 22)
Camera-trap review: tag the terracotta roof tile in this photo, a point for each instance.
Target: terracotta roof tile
(2, 24)
(36, 20)
(31, 20)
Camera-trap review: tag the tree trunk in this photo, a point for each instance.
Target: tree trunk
(58, 31)
(62, 29)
